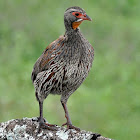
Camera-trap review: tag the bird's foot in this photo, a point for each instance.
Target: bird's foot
(47, 126)
(70, 126)
(44, 125)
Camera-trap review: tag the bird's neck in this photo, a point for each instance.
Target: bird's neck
(69, 29)
(71, 33)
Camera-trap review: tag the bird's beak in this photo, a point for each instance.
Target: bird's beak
(85, 17)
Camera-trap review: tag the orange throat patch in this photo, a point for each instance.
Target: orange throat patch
(76, 24)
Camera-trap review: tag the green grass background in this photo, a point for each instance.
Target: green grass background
(108, 102)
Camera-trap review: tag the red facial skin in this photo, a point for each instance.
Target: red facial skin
(81, 16)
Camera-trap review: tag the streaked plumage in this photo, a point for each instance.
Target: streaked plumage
(65, 63)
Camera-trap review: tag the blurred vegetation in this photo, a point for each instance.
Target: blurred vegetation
(108, 102)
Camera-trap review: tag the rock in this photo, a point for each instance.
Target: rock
(27, 129)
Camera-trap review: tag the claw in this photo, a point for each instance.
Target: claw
(73, 127)
(64, 124)
(48, 127)
(70, 126)
(53, 125)
(44, 125)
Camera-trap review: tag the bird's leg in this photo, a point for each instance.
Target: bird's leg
(68, 123)
(41, 119)
(42, 123)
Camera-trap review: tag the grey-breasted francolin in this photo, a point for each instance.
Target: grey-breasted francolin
(64, 64)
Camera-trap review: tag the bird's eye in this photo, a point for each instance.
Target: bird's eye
(77, 14)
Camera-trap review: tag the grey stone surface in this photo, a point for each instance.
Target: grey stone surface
(27, 129)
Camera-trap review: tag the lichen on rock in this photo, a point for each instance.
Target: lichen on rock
(27, 129)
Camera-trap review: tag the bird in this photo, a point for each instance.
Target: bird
(63, 65)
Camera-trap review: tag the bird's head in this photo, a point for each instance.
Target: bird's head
(74, 16)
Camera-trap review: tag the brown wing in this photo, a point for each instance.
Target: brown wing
(45, 60)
